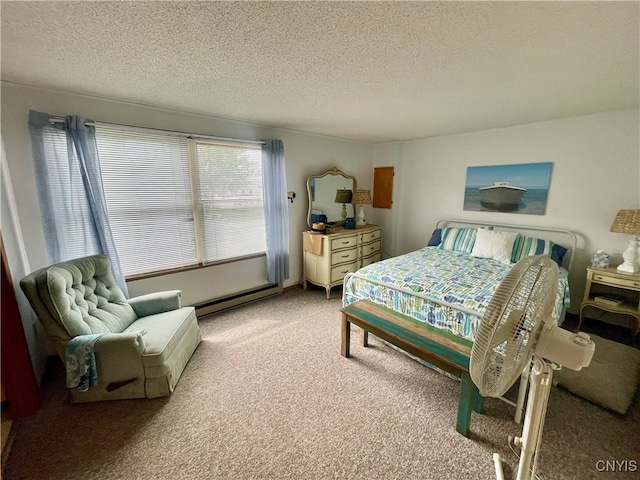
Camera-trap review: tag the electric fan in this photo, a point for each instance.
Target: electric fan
(517, 329)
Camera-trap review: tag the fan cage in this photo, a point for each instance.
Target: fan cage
(512, 323)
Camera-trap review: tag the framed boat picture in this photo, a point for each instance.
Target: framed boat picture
(519, 188)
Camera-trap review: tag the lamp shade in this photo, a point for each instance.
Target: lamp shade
(362, 197)
(627, 221)
(343, 196)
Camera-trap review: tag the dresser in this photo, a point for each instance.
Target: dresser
(329, 257)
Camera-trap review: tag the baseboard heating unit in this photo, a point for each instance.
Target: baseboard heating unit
(237, 299)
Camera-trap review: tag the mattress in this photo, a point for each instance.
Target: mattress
(446, 289)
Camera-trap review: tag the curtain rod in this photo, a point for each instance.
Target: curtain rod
(181, 134)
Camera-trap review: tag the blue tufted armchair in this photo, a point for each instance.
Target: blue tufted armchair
(140, 346)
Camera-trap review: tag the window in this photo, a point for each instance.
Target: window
(230, 201)
(176, 202)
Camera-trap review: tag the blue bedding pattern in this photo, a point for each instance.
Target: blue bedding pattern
(447, 276)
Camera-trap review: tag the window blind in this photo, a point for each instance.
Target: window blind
(230, 200)
(147, 187)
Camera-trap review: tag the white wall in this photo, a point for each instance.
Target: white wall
(305, 155)
(596, 172)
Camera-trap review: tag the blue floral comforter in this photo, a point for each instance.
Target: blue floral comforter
(406, 283)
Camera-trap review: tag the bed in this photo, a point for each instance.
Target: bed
(449, 283)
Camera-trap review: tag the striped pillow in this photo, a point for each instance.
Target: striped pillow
(458, 239)
(528, 246)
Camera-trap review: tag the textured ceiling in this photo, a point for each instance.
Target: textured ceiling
(369, 71)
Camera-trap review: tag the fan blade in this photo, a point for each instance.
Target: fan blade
(509, 329)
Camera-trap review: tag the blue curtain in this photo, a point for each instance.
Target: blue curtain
(276, 211)
(74, 211)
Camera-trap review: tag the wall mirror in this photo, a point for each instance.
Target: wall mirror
(326, 193)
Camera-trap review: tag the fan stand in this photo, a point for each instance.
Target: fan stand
(522, 393)
(540, 383)
(518, 316)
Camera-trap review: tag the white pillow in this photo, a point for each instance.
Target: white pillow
(494, 244)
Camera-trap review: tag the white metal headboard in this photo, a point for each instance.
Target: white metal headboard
(566, 238)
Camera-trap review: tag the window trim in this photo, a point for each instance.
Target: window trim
(188, 268)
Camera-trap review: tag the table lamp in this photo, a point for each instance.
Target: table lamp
(628, 221)
(361, 197)
(343, 196)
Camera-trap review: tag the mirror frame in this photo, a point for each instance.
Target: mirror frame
(333, 171)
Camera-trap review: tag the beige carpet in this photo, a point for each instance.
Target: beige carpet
(268, 396)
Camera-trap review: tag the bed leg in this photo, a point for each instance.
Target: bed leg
(466, 404)
(346, 336)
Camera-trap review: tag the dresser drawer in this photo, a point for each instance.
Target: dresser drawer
(369, 248)
(372, 259)
(370, 236)
(616, 281)
(344, 256)
(343, 242)
(338, 273)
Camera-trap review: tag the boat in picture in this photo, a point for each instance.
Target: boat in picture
(501, 196)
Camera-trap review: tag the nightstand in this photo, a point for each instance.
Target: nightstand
(612, 291)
